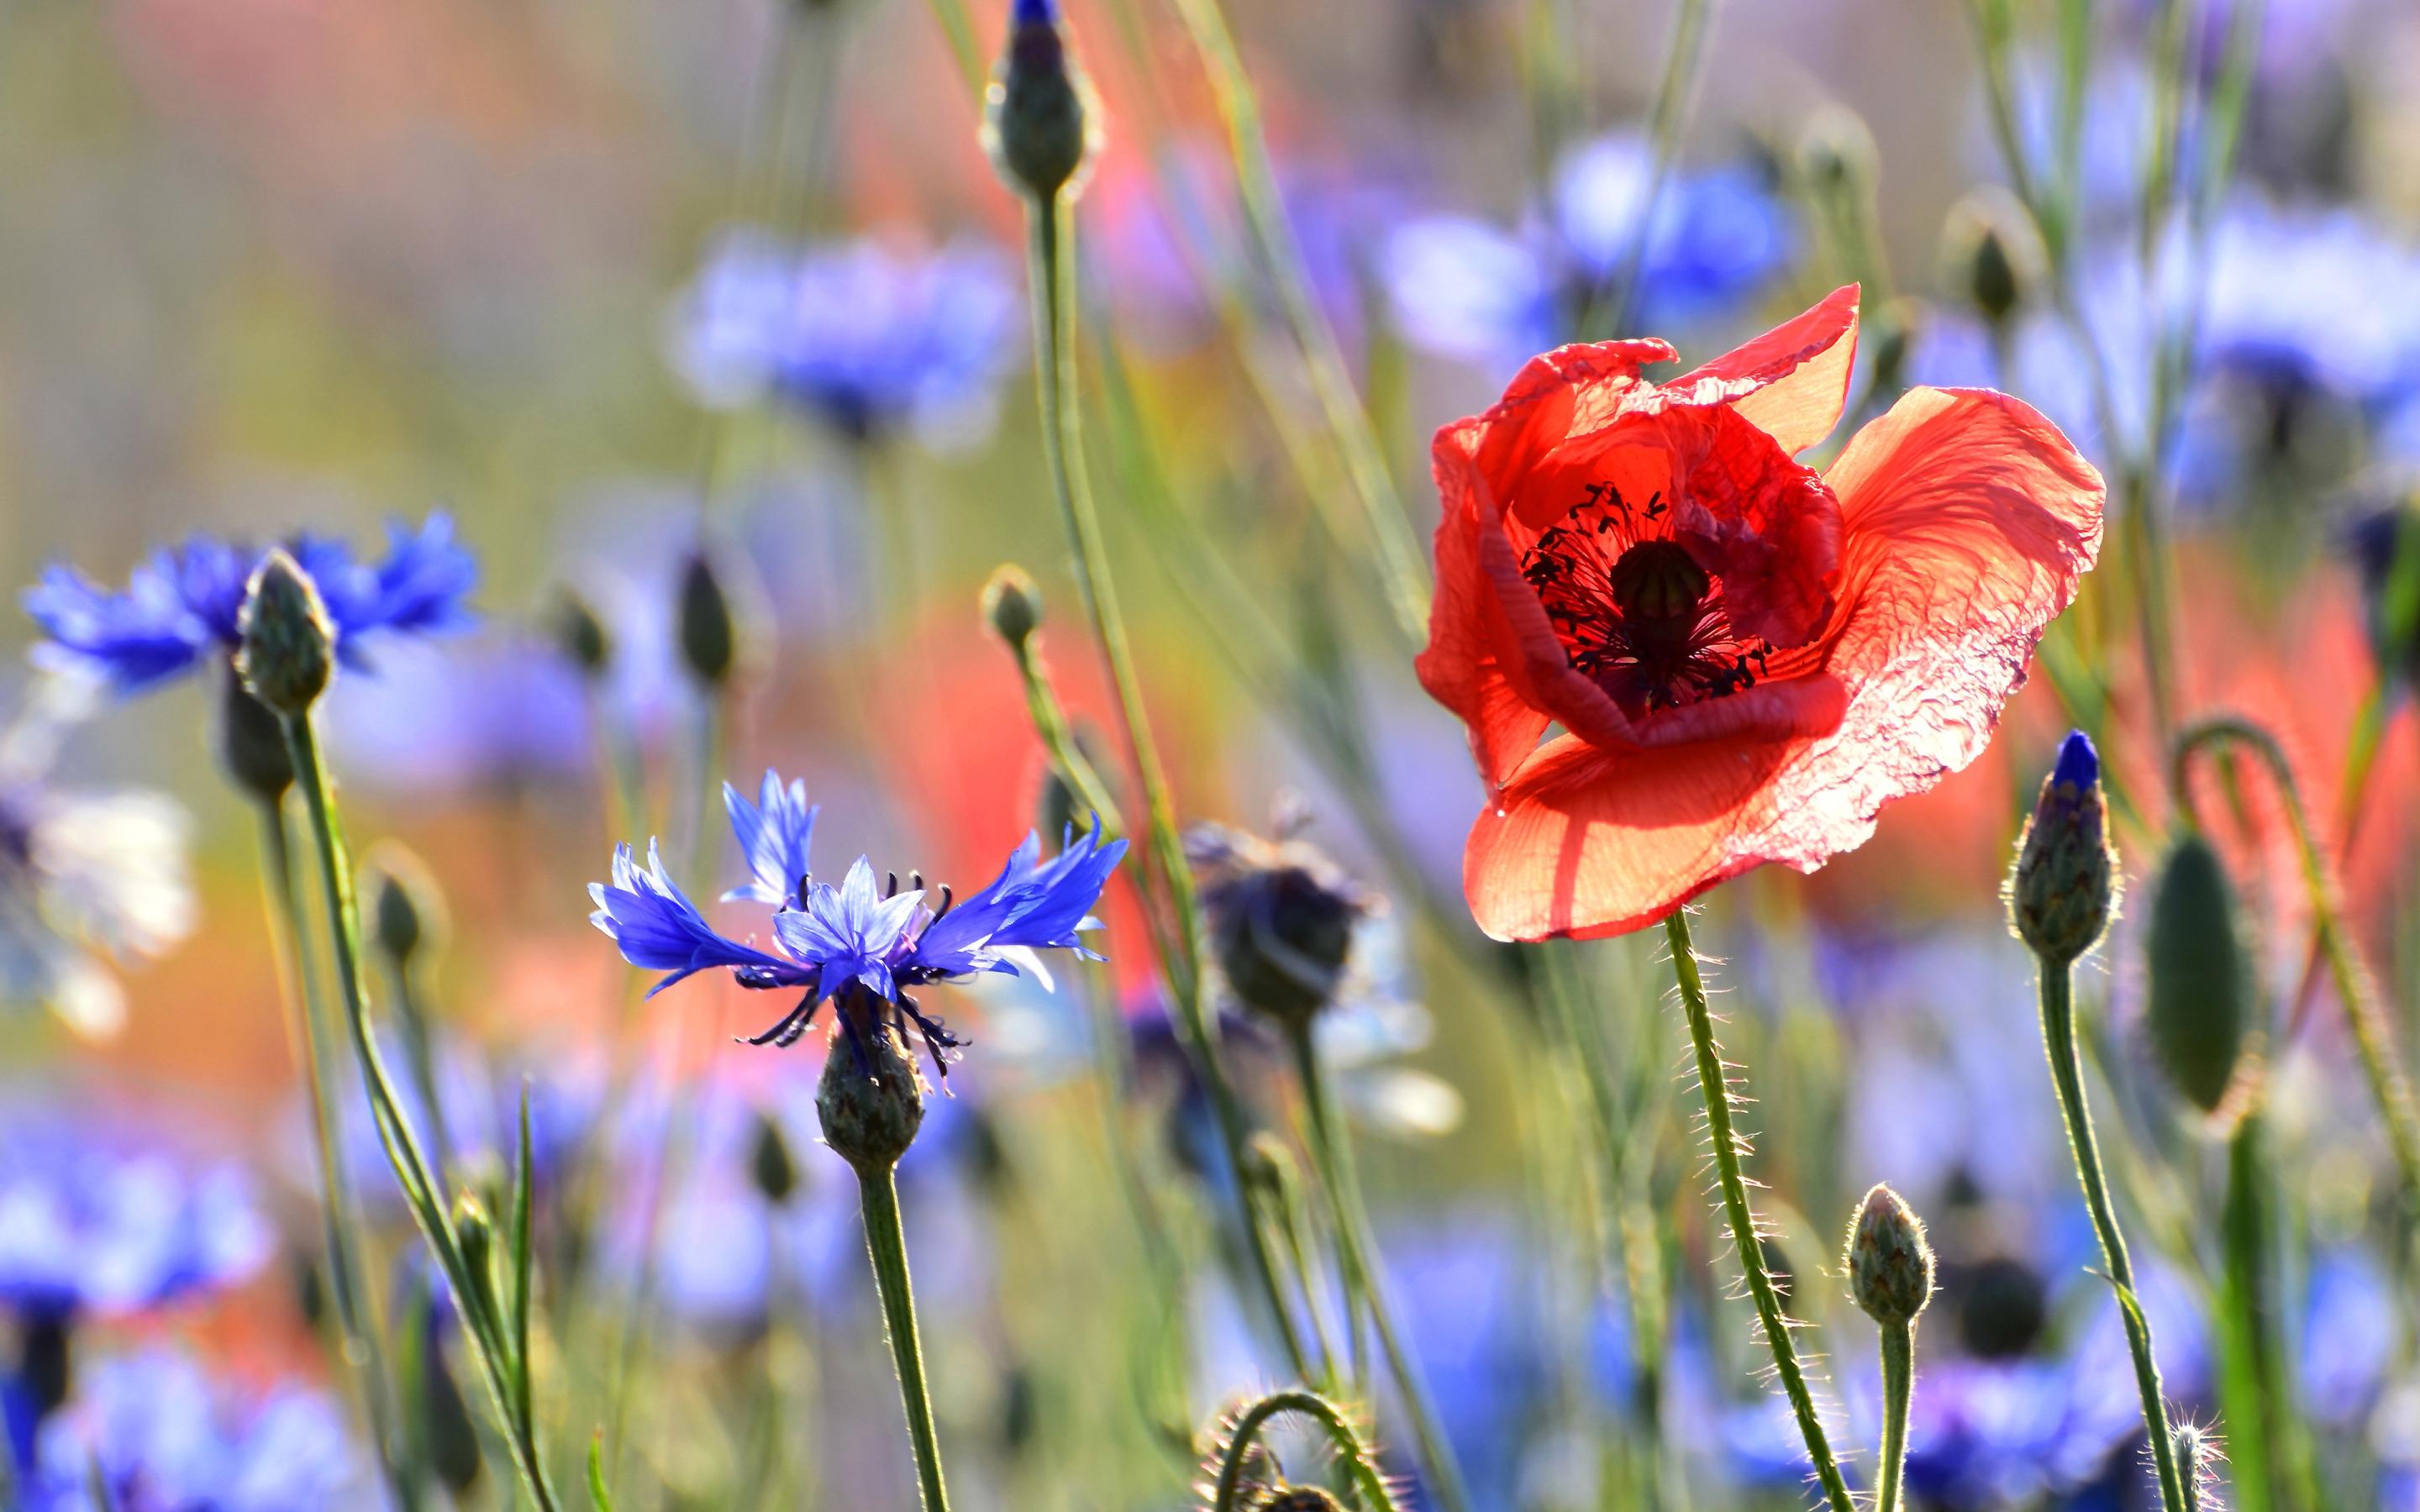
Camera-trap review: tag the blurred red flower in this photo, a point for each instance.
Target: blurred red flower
(1747, 661)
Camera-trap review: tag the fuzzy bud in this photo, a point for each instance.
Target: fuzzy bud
(1282, 918)
(1012, 605)
(579, 634)
(1890, 1265)
(288, 640)
(407, 911)
(1299, 1498)
(2065, 885)
(2200, 974)
(1036, 118)
(708, 642)
(252, 743)
(770, 1166)
(871, 1099)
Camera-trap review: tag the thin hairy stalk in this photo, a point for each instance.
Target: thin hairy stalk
(1359, 1462)
(421, 1056)
(1331, 1146)
(1714, 1084)
(886, 1241)
(2067, 1076)
(492, 1337)
(1676, 89)
(2363, 1014)
(1402, 565)
(1898, 1391)
(363, 1346)
(1177, 933)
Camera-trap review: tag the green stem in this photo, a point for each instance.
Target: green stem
(1674, 91)
(1714, 1084)
(361, 1343)
(1331, 1146)
(886, 1241)
(411, 1166)
(2067, 1074)
(1359, 1462)
(1177, 933)
(422, 1057)
(2354, 989)
(1899, 1390)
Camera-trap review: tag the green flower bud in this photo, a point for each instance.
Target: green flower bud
(1012, 605)
(871, 1099)
(579, 634)
(474, 1235)
(1890, 1265)
(407, 909)
(252, 743)
(2065, 885)
(769, 1166)
(708, 642)
(2201, 976)
(288, 640)
(1281, 917)
(1992, 254)
(1037, 123)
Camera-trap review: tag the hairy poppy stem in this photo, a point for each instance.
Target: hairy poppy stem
(2057, 981)
(1714, 1084)
(1176, 935)
(1331, 1146)
(1899, 1392)
(501, 1343)
(1227, 1489)
(886, 1241)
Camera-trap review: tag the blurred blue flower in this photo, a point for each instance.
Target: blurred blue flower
(165, 1438)
(885, 941)
(868, 334)
(184, 603)
(1462, 288)
(441, 719)
(86, 1226)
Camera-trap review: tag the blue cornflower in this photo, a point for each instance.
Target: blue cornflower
(867, 334)
(184, 604)
(84, 1226)
(1463, 287)
(858, 938)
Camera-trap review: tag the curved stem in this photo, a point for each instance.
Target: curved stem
(1899, 1390)
(2371, 1038)
(886, 1241)
(1715, 1087)
(1332, 1146)
(2067, 1074)
(1357, 1460)
(1176, 933)
(474, 1293)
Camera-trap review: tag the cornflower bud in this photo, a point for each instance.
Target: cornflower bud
(1036, 117)
(474, 1235)
(1992, 254)
(1281, 917)
(252, 743)
(871, 1100)
(1012, 605)
(1890, 1265)
(409, 911)
(579, 634)
(2201, 982)
(2065, 885)
(708, 642)
(288, 640)
(769, 1166)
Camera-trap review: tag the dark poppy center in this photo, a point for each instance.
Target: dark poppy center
(1638, 614)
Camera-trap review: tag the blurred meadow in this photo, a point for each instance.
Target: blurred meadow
(647, 395)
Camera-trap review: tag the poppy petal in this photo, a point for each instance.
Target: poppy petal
(1792, 381)
(1967, 519)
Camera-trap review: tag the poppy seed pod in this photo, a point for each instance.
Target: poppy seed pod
(1012, 605)
(579, 634)
(2201, 981)
(871, 1099)
(2064, 888)
(1280, 916)
(288, 640)
(1036, 120)
(1890, 1264)
(252, 743)
(708, 642)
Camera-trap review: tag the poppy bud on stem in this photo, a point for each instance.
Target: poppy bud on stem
(1890, 1275)
(2060, 897)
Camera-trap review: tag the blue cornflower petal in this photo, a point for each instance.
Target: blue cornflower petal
(658, 929)
(2078, 763)
(851, 932)
(425, 578)
(773, 834)
(1032, 903)
(129, 641)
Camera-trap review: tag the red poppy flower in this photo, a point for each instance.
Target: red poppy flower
(1747, 659)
